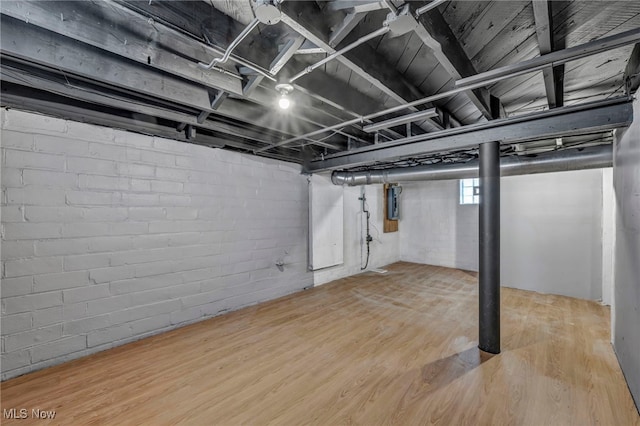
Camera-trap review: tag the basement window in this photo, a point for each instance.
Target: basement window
(469, 191)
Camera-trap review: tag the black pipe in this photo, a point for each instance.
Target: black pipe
(489, 273)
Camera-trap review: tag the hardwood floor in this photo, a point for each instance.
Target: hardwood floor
(397, 348)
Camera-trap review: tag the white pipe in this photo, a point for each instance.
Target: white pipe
(483, 79)
(558, 57)
(340, 52)
(410, 118)
(232, 46)
(429, 6)
(371, 116)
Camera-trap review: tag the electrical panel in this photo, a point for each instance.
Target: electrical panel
(393, 204)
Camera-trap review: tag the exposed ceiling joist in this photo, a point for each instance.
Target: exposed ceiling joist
(337, 92)
(286, 53)
(553, 75)
(134, 122)
(308, 48)
(341, 101)
(346, 26)
(632, 70)
(65, 56)
(436, 34)
(81, 28)
(79, 90)
(252, 83)
(129, 58)
(399, 108)
(409, 118)
(132, 46)
(86, 93)
(509, 71)
(301, 16)
(216, 100)
(23, 41)
(332, 91)
(212, 29)
(547, 124)
(45, 15)
(356, 5)
(554, 58)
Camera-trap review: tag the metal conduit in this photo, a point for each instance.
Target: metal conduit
(232, 46)
(557, 161)
(483, 79)
(340, 52)
(427, 7)
(555, 58)
(362, 119)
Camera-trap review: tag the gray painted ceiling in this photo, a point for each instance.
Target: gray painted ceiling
(134, 65)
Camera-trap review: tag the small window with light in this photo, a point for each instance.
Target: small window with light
(469, 191)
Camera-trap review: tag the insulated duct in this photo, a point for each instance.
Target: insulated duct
(557, 161)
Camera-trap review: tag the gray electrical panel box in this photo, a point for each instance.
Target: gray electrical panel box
(393, 205)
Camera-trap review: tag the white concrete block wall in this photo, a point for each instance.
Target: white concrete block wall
(551, 231)
(384, 247)
(110, 236)
(435, 229)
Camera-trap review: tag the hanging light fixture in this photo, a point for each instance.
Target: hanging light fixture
(284, 89)
(284, 102)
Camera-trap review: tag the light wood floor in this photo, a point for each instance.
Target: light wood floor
(373, 349)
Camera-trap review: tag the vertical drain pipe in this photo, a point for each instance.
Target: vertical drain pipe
(489, 282)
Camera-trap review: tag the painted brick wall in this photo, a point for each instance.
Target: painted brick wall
(110, 236)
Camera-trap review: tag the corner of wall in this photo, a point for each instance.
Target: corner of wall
(626, 284)
(384, 247)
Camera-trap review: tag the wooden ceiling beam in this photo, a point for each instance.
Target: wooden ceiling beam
(632, 70)
(304, 18)
(436, 34)
(553, 75)
(589, 118)
(97, 65)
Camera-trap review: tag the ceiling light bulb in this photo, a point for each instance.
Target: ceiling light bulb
(284, 89)
(284, 102)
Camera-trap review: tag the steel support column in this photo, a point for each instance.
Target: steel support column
(489, 282)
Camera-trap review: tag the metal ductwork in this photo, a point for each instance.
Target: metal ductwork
(557, 161)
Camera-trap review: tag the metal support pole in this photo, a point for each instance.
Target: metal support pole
(489, 283)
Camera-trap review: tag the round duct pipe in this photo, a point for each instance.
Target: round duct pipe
(557, 161)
